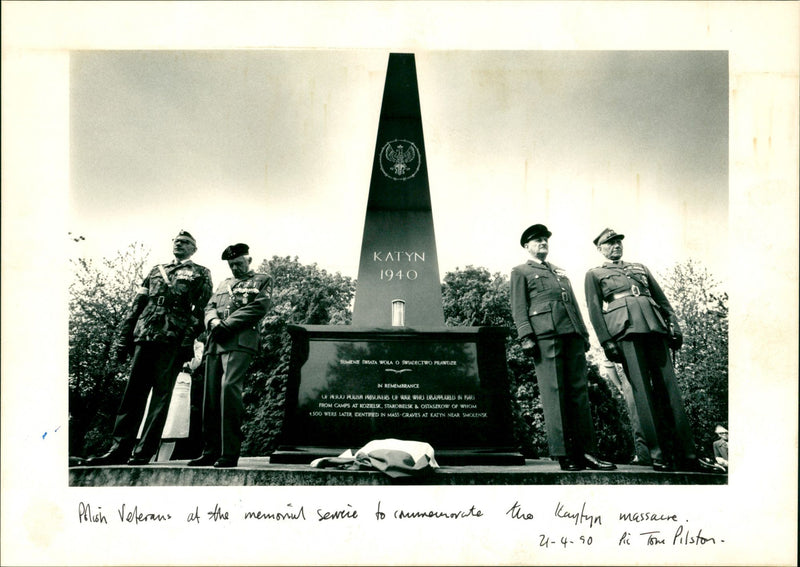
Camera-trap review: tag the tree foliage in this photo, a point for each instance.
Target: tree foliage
(472, 297)
(701, 365)
(99, 296)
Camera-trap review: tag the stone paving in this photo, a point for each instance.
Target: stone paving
(258, 471)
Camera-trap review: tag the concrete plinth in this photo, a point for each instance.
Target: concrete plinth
(257, 471)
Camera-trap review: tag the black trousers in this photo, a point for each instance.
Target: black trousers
(223, 408)
(152, 366)
(659, 403)
(561, 375)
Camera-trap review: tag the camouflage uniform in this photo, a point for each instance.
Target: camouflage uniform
(240, 304)
(164, 319)
(169, 311)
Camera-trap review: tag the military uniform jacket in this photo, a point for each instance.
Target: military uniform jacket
(240, 304)
(168, 310)
(543, 303)
(625, 299)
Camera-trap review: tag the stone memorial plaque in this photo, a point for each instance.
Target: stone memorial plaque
(350, 385)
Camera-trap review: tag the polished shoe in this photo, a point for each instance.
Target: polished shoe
(592, 462)
(202, 461)
(701, 465)
(76, 462)
(662, 466)
(226, 463)
(113, 457)
(138, 461)
(568, 464)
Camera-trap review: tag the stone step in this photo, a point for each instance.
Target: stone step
(258, 471)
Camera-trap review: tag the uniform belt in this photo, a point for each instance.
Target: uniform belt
(633, 292)
(545, 299)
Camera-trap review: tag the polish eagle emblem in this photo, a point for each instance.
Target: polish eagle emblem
(400, 156)
(400, 159)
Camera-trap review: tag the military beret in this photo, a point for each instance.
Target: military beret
(235, 250)
(184, 234)
(606, 235)
(534, 231)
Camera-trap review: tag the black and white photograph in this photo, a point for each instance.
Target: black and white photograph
(414, 298)
(579, 141)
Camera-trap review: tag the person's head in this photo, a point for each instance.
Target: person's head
(721, 432)
(536, 240)
(609, 244)
(183, 245)
(238, 258)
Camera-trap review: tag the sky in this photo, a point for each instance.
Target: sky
(274, 148)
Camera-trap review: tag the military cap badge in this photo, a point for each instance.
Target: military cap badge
(606, 235)
(235, 250)
(184, 234)
(534, 231)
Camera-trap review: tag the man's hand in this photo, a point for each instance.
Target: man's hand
(186, 352)
(220, 332)
(531, 348)
(675, 340)
(613, 352)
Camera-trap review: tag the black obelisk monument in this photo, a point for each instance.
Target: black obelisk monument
(398, 371)
(398, 275)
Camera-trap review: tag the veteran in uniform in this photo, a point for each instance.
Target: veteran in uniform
(231, 315)
(637, 327)
(166, 315)
(552, 330)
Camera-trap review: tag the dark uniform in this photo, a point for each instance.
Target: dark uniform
(239, 303)
(629, 311)
(544, 309)
(166, 314)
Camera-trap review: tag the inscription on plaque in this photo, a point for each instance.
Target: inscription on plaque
(352, 387)
(398, 383)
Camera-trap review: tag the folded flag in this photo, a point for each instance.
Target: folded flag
(395, 457)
